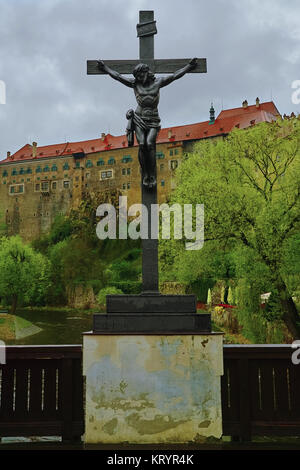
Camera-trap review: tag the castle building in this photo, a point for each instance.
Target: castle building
(39, 182)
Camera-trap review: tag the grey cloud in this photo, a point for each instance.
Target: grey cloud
(251, 48)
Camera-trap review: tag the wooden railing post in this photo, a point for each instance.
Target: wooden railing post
(67, 399)
(245, 402)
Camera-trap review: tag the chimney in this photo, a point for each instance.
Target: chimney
(257, 102)
(212, 114)
(169, 133)
(34, 149)
(245, 104)
(103, 136)
(8, 155)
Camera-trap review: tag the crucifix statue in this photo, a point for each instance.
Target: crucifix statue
(145, 120)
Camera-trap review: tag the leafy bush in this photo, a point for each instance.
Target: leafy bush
(273, 311)
(128, 287)
(110, 290)
(200, 288)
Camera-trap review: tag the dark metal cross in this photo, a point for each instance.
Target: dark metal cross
(146, 29)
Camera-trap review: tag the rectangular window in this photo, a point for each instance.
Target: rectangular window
(123, 171)
(162, 166)
(128, 185)
(128, 171)
(124, 186)
(37, 187)
(176, 151)
(45, 186)
(66, 184)
(54, 185)
(162, 182)
(16, 189)
(171, 152)
(106, 174)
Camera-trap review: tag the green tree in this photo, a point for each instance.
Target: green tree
(23, 272)
(3, 226)
(209, 297)
(109, 290)
(249, 184)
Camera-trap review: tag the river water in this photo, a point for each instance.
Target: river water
(56, 327)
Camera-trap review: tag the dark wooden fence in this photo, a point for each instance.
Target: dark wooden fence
(41, 392)
(260, 391)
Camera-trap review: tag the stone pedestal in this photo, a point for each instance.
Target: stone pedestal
(152, 388)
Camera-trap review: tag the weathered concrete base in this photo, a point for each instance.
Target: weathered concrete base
(152, 388)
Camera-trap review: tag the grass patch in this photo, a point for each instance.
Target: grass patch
(230, 338)
(21, 323)
(7, 327)
(12, 325)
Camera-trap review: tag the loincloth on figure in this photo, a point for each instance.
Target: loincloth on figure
(145, 120)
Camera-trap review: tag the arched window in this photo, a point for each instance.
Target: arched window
(100, 162)
(66, 166)
(38, 169)
(54, 167)
(111, 161)
(89, 164)
(46, 169)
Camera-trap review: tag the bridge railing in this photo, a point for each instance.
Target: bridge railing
(260, 391)
(41, 391)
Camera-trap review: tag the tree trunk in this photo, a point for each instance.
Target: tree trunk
(14, 304)
(226, 295)
(290, 314)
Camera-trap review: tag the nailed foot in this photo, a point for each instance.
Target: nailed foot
(146, 181)
(152, 182)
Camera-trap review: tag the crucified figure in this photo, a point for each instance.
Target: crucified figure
(145, 120)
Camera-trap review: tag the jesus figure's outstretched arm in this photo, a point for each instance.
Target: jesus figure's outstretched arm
(179, 73)
(117, 76)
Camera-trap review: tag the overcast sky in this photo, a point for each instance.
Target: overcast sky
(251, 46)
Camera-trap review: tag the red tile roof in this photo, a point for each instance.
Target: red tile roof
(226, 121)
(268, 107)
